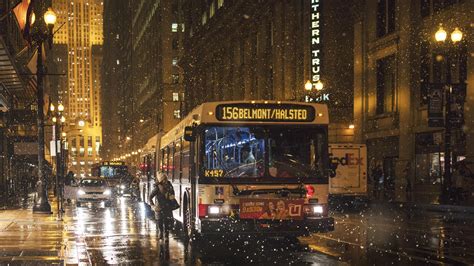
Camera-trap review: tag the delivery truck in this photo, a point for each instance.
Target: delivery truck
(349, 184)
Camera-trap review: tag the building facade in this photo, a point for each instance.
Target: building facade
(80, 31)
(116, 75)
(251, 50)
(150, 96)
(397, 63)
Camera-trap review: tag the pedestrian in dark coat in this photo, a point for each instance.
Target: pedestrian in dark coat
(160, 196)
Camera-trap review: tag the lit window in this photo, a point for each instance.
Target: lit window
(174, 27)
(175, 78)
(212, 10)
(118, 62)
(220, 3)
(204, 18)
(175, 97)
(177, 114)
(175, 61)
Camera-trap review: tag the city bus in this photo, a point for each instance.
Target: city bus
(250, 167)
(115, 174)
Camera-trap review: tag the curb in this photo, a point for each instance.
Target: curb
(433, 207)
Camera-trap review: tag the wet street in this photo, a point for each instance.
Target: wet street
(123, 234)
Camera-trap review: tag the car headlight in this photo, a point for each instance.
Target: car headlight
(318, 209)
(107, 192)
(122, 186)
(81, 192)
(214, 210)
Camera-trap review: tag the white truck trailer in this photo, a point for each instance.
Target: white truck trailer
(349, 185)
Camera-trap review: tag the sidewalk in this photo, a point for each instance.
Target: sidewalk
(37, 239)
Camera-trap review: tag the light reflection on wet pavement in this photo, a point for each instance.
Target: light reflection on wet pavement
(382, 235)
(122, 234)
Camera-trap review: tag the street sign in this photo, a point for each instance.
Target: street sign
(458, 97)
(435, 105)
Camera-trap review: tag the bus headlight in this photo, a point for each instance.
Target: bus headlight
(318, 209)
(81, 192)
(214, 209)
(107, 192)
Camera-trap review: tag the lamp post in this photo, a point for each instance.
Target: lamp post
(440, 37)
(58, 120)
(39, 34)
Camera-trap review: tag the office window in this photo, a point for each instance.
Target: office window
(212, 9)
(81, 141)
(175, 97)
(175, 61)
(204, 18)
(174, 27)
(385, 17)
(177, 114)
(386, 85)
(89, 151)
(220, 3)
(175, 44)
(175, 78)
(89, 141)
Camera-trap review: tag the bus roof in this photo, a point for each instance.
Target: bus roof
(251, 113)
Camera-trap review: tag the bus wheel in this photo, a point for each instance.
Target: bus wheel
(187, 224)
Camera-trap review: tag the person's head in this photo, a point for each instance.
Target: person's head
(246, 151)
(271, 206)
(281, 206)
(161, 177)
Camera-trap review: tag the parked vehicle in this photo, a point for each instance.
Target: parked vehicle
(93, 190)
(349, 185)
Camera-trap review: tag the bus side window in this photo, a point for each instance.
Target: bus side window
(177, 160)
(185, 161)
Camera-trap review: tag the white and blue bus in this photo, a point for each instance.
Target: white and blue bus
(250, 167)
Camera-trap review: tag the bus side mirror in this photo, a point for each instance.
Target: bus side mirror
(189, 134)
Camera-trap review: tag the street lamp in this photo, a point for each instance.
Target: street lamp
(39, 34)
(440, 37)
(58, 120)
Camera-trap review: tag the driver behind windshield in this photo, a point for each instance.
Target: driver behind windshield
(247, 156)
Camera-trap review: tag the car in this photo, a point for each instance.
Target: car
(93, 190)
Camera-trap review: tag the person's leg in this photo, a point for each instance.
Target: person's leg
(159, 223)
(168, 223)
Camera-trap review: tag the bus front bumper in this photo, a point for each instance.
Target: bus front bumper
(217, 226)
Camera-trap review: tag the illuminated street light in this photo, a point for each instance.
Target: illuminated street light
(351, 126)
(319, 85)
(60, 107)
(456, 35)
(81, 123)
(441, 35)
(50, 17)
(308, 85)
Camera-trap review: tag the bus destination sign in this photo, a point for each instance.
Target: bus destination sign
(265, 112)
(113, 163)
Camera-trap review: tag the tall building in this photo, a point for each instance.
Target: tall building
(268, 50)
(80, 26)
(116, 75)
(147, 55)
(398, 64)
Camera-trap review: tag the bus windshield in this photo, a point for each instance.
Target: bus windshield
(264, 151)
